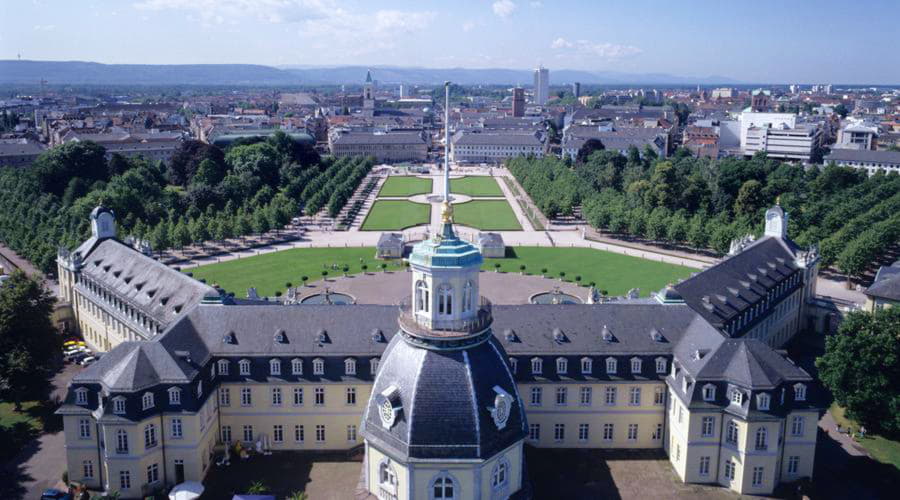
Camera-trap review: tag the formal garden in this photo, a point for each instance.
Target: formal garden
(271, 272)
(487, 215)
(476, 186)
(401, 186)
(394, 215)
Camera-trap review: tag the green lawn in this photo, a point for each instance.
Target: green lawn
(612, 272)
(405, 186)
(488, 215)
(882, 449)
(476, 186)
(394, 215)
(270, 272)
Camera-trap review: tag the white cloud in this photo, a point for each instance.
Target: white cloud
(234, 11)
(44, 27)
(602, 50)
(503, 8)
(536, 5)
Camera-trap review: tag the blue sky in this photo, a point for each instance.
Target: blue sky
(760, 41)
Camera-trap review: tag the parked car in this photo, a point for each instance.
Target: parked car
(55, 494)
(87, 360)
(76, 358)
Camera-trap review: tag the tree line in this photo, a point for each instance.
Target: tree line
(706, 203)
(203, 193)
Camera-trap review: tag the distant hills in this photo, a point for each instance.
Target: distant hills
(90, 73)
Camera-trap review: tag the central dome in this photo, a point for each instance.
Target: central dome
(439, 404)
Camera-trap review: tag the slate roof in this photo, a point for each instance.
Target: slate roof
(148, 285)
(864, 156)
(728, 288)
(372, 138)
(748, 363)
(490, 139)
(17, 147)
(887, 283)
(446, 398)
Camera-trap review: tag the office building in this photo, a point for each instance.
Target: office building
(541, 85)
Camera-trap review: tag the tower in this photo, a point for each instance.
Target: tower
(518, 102)
(369, 92)
(445, 419)
(103, 223)
(541, 85)
(776, 222)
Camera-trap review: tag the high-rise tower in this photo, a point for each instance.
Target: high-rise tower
(541, 85)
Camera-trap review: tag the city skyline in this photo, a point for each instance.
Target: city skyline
(698, 39)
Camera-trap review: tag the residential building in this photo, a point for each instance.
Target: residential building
(541, 85)
(485, 147)
(386, 147)
(19, 152)
(857, 134)
(871, 161)
(885, 289)
(619, 139)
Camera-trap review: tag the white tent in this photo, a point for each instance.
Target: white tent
(188, 490)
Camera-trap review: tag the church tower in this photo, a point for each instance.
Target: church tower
(369, 92)
(445, 420)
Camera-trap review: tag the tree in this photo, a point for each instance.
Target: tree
(260, 160)
(861, 368)
(749, 199)
(187, 158)
(209, 173)
(27, 337)
(588, 148)
(841, 110)
(160, 239)
(56, 167)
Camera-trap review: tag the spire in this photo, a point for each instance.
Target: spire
(368, 76)
(446, 207)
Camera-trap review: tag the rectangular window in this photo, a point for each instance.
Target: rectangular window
(246, 396)
(680, 414)
(81, 397)
(149, 436)
(119, 406)
(635, 399)
(583, 432)
(248, 433)
(704, 466)
(757, 476)
(320, 396)
(277, 434)
(707, 425)
(586, 396)
(175, 396)
(88, 469)
(320, 433)
(152, 473)
(797, 426)
(299, 435)
(84, 428)
(793, 465)
(562, 396)
(536, 396)
(226, 434)
(657, 434)
(659, 396)
(608, 432)
(729, 469)
(124, 480)
(632, 432)
(731, 436)
(534, 432)
(224, 396)
(559, 432)
(351, 396)
(351, 433)
(276, 396)
(176, 428)
(610, 396)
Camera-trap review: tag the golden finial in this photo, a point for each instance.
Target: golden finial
(778, 200)
(446, 212)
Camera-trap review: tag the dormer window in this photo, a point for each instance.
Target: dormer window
(606, 334)
(147, 400)
(513, 364)
(199, 389)
(274, 367)
(562, 366)
(297, 366)
(800, 392)
(685, 385)
(373, 365)
(709, 392)
(281, 337)
(318, 366)
(661, 366)
(174, 396)
(81, 396)
(762, 401)
(611, 366)
(736, 397)
(222, 365)
(349, 366)
(537, 366)
(636, 365)
(587, 366)
(244, 366)
(119, 405)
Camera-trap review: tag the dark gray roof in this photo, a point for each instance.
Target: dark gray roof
(490, 139)
(749, 363)
(16, 147)
(143, 282)
(864, 155)
(886, 284)
(372, 138)
(490, 239)
(446, 397)
(133, 366)
(390, 239)
(728, 288)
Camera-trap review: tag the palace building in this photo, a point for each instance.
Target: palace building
(444, 392)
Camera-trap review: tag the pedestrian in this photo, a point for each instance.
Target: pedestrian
(862, 432)
(839, 428)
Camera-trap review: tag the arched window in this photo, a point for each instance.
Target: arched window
(422, 299)
(223, 366)
(244, 366)
(275, 367)
(443, 487)
(468, 296)
(445, 300)
(387, 481)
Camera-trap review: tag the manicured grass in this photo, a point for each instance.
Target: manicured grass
(882, 449)
(476, 186)
(394, 215)
(612, 272)
(404, 186)
(270, 272)
(488, 215)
